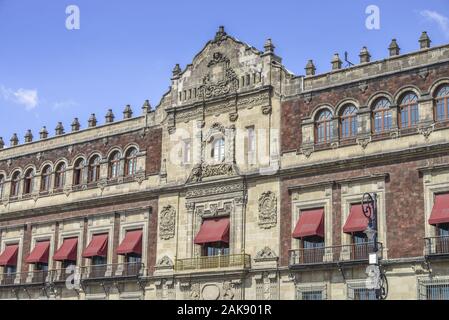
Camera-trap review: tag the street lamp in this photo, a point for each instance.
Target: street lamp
(369, 208)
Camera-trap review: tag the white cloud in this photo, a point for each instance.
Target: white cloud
(439, 19)
(25, 97)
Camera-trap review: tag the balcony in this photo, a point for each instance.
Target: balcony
(237, 261)
(437, 247)
(113, 271)
(346, 254)
(39, 277)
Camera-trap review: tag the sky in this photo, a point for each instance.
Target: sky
(124, 51)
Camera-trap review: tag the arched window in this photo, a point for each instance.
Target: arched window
(131, 162)
(28, 182)
(408, 110)
(114, 165)
(442, 106)
(349, 122)
(94, 169)
(78, 172)
(45, 179)
(15, 184)
(218, 150)
(2, 183)
(382, 116)
(60, 175)
(324, 127)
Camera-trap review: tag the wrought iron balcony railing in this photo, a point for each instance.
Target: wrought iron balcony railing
(118, 270)
(437, 246)
(334, 254)
(214, 262)
(24, 278)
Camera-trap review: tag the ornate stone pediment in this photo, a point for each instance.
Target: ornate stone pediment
(213, 87)
(266, 254)
(202, 171)
(165, 263)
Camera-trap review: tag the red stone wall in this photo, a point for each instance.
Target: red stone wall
(404, 204)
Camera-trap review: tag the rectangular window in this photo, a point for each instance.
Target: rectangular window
(312, 295)
(96, 261)
(433, 289)
(364, 294)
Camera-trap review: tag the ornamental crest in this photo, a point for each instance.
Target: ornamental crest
(167, 223)
(267, 210)
(221, 80)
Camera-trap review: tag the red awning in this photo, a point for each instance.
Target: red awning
(132, 243)
(39, 253)
(213, 230)
(310, 223)
(357, 221)
(98, 246)
(67, 252)
(9, 256)
(440, 211)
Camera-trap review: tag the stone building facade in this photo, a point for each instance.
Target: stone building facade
(244, 182)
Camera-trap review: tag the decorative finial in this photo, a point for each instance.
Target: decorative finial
(364, 55)
(14, 140)
(109, 116)
(394, 48)
(424, 40)
(310, 68)
(59, 130)
(2, 143)
(269, 46)
(43, 134)
(92, 122)
(128, 112)
(146, 107)
(176, 71)
(220, 33)
(75, 125)
(28, 136)
(336, 62)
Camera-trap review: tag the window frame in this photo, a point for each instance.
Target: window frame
(326, 124)
(60, 175)
(445, 100)
(45, 178)
(15, 184)
(94, 169)
(386, 118)
(131, 162)
(349, 120)
(78, 172)
(411, 107)
(28, 182)
(114, 165)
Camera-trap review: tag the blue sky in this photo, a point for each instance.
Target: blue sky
(124, 51)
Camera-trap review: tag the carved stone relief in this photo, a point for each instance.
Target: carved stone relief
(267, 210)
(167, 223)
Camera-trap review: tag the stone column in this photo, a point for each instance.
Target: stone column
(190, 206)
(364, 126)
(229, 144)
(237, 227)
